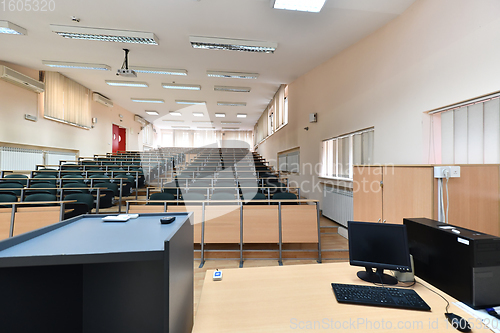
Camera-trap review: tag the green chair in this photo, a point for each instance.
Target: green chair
(160, 196)
(71, 188)
(41, 188)
(248, 197)
(85, 198)
(285, 196)
(10, 188)
(17, 178)
(111, 186)
(6, 197)
(41, 197)
(43, 178)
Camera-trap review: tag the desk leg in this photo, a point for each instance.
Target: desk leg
(241, 236)
(280, 235)
(319, 234)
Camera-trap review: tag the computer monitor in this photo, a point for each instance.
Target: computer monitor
(380, 246)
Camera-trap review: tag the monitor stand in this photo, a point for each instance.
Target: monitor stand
(377, 277)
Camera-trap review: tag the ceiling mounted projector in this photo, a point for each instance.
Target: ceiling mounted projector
(124, 71)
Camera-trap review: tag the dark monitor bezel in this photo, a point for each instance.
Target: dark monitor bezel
(401, 268)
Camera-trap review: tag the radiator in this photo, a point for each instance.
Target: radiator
(337, 204)
(20, 158)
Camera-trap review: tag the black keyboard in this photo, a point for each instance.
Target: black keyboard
(380, 296)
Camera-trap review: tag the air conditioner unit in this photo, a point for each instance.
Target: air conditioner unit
(21, 80)
(140, 120)
(102, 100)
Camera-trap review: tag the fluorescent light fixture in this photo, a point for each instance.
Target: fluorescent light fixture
(241, 115)
(152, 113)
(232, 103)
(181, 127)
(300, 5)
(232, 89)
(147, 100)
(230, 128)
(127, 83)
(198, 114)
(232, 75)
(190, 102)
(181, 86)
(174, 121)
(105, 35)
(206, 128)
(202, 122)
(152, 70)
(215, 43)
(175, 113)
(220, 115)
(76, 65)
(230, 123)
(9, 28)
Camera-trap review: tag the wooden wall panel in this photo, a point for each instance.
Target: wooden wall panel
(367, 194)
(260, 224)
(136, 209)
(5, 215)
(31, 218)
(474, 198)
(299, 224)
(407, 192)
(197, 218)
(222, 224)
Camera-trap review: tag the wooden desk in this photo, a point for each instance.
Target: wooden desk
(300, 298)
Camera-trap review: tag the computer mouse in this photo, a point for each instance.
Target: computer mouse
(458, 322)
(167, 220)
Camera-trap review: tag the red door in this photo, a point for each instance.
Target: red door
(119, 139)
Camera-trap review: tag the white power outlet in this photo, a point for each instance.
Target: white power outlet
(441, 171)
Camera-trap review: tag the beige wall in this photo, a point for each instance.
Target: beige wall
(436, 53)
(15, 102)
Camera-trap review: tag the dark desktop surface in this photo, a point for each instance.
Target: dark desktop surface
(463, 263)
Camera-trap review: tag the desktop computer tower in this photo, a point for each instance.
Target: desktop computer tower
(463, 263)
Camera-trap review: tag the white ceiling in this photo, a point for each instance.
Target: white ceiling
(305, 40)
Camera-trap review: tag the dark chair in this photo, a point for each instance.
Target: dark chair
(83, 198)
(106, 197)
(7, 187)
(160, 196)
(97, 178)
(43, 178)
(41, 197)
(193, 196)
(285, 196)
(17, 178)
(75, 188)
(5, 197)
(111, 186)
(48, 188)
(127, 185)
(248, 197)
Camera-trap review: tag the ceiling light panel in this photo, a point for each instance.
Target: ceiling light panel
(232, 89)
(173, 121)
(127, 83)
(175, 113)
(76, 65)
(232, 75)
(105, 35)
(198, 114)
(231, 103)
(300, 5)
(241, 115)
(152, 113)
(9, 28)
(148, 100)
(230, 123)
(190, 102)
(230, 128)
(181, 86)
(220, 115)
(180, 126)
(164, 71)
(214, 43)
(206, 128)
(202, 122)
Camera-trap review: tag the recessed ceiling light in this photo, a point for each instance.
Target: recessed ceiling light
(76, 65)
(180, 126)
(220, 115)
(232, 103)
(190, 102)
(300, 5)
(9, 28)
(175, 113)
(181, 86)
(127, 83)
(230, 123)
(198, 114)
(232, 75)
(152, 113)
(174, 121)
(152, 70)
(232, 89)
(241, 115)
(214, 43)
(147, 100)
(105, 35)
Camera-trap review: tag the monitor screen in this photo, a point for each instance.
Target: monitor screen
(379, 245)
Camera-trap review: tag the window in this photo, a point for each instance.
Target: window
(274, 117)
(66, 101)
(339, 154)
(289, 161)
(466, 133)
(147, 135)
